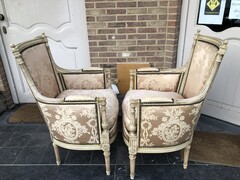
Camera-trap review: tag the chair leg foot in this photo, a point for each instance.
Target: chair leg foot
(132, 158)
(186, 156)
(107, 161)
(57, 156)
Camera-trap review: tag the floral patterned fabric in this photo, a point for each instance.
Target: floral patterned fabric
(39, 65)
(111, 101)
(143, 94)
(158, 82)
(75, 124)
(167, 125)
(84, 81)
(200, 68)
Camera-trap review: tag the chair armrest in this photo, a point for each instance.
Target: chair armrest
(156, 79)
(89, 78)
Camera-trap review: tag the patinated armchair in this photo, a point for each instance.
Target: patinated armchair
(78, 106)
(162, 108)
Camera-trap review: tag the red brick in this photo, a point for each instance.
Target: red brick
(106, 31)
(116, 36)
(97, 37)
(116, 11)
(147, 17)
(146, 42)
(137, 36)
(136, 48)
(117, 60)
(126, 31)
(146, 54)
(105, 5)
(147, 30)
(136, 24)
(127, 18)
(147, 4)
(98, 49)
(116, 25)
(107, 43)
(156, 36)
(126, 4)
(90, 18)
(107, 54)
(106, 18)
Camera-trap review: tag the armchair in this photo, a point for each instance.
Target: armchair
(162, 108)
(78, 106)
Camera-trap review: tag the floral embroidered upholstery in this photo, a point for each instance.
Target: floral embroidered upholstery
(201, 66)
(167, 126)
(83, 117)
(160, 82)
(162, 107)
(42, 73)
(84, 81)
(142, 94)
(111, 101)
(75, 124)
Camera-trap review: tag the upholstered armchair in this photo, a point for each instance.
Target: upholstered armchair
(78, 106)
(162, 108)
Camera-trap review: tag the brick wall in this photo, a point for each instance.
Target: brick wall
(133, 31)
(4, 88)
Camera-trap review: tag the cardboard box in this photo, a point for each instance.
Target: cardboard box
(123, 74)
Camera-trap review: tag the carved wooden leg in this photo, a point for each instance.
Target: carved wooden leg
(107, 161)
(186, 156)
(57, 156)
(132, 158)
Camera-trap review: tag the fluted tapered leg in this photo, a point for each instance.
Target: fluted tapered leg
(186, 156)
(107, 161)
(132, 158)
(57, 156)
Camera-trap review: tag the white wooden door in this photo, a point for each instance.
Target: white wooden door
(223, 100)
(63, 21)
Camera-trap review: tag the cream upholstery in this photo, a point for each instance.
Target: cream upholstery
(79, 108)
(162, 108)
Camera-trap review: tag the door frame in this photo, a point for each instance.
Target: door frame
(8, 71)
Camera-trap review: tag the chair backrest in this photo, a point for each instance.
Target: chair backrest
(207, 53)
(35, 57)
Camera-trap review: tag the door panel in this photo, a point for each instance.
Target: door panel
(63, 21)
(223, 99)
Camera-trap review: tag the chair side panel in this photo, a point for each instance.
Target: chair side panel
(74, 124)
(203, 61)
(38, 63)
(163, 126)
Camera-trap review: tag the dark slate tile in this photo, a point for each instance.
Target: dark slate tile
(206, 172)
(122, 156)
(155, 158)
(42, 128)
(4, 137)
(9, 128)
(56, 172)
(98, 157)
(39, 139)
(78, 157)
(49, 156)
(175, 158)
(118, 141)
(25, 128)
(30, 155)
(144, 172)
(9, 155)
(17, 140)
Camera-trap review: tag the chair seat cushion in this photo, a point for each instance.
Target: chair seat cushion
(143, 94)
(111, 101)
